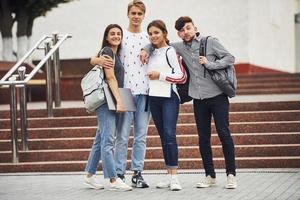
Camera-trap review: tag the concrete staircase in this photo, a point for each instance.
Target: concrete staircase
(266, 134)
(268, 84)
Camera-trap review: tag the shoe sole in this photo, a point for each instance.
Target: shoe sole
(199, 186)
(176, 189)
(136, 186)
(162, 187)
(93, 187)
(231, 187)
(121, 190)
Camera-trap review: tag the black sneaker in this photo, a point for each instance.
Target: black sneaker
(138, 181)
(122, 177)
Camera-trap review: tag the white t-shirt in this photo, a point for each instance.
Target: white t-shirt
(135, 77)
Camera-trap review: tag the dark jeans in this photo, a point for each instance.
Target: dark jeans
(164, 112)
(218, 107)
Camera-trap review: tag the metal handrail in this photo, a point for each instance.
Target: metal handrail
(10, 79)
(21, 61)
(36, 68)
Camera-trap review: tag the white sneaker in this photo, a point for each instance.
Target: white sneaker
(174, 183)
(119, 185)
(164, 184)
(231, 182)
(92, 182)
(208, 181)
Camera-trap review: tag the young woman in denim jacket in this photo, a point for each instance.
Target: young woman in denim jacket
(107, 119)
(163, 65)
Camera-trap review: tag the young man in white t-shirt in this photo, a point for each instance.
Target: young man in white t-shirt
(135, 78)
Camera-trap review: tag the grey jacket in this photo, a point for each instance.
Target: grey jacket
(201, 85)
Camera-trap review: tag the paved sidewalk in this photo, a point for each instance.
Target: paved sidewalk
(254, 184)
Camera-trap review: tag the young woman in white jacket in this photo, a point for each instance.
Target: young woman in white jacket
(164, 71)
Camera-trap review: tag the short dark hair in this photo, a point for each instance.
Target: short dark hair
(181, 21)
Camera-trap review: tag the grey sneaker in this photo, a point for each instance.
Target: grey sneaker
(208, 181)
(165, 183)
(231, 182)
(92, 182)
(119, 185)
(174, 183)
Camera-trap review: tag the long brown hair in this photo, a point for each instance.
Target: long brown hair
(105, 43)
(160, 25)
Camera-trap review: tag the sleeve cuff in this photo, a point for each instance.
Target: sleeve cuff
(162, 77)
(209, 65)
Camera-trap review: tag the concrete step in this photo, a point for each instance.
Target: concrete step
(284, 84)
(270, 77)
(268, 80)
(154, 141)
(182, 129)
(282, 90)
(185, 108)
(77, 121)
(156, 152)
(184, 163)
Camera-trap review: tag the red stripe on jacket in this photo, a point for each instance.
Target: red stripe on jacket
(183, 78)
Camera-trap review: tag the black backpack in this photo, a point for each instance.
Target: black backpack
(225, 78)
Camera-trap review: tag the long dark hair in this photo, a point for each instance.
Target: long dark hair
(160, 25)
(105, 43)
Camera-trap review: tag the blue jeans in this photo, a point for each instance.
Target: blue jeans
(103, 145)
(164, 112)
(218, 107)
(140, 119)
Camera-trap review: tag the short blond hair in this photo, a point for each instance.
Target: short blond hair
(137, 3)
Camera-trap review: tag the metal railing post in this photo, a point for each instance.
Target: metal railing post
(23, 109)
(56, 65)
(13, 80)
(13, 120)
(49, 82)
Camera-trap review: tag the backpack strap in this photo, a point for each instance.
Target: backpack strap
(202, 52)
(168, 59)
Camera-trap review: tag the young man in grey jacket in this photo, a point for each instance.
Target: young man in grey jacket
(209, 100)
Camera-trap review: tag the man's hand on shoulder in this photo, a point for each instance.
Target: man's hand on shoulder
(106, 61)
(144, 56)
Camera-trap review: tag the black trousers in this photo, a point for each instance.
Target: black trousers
(218, 107)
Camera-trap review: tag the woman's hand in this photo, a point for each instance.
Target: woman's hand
(153, 75)
(120, 107)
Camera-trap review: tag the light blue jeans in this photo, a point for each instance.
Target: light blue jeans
(140, 119)
(103, 145)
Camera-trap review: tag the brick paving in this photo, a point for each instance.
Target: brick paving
(253, 184)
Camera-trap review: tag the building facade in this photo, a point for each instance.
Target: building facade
(263, 33)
